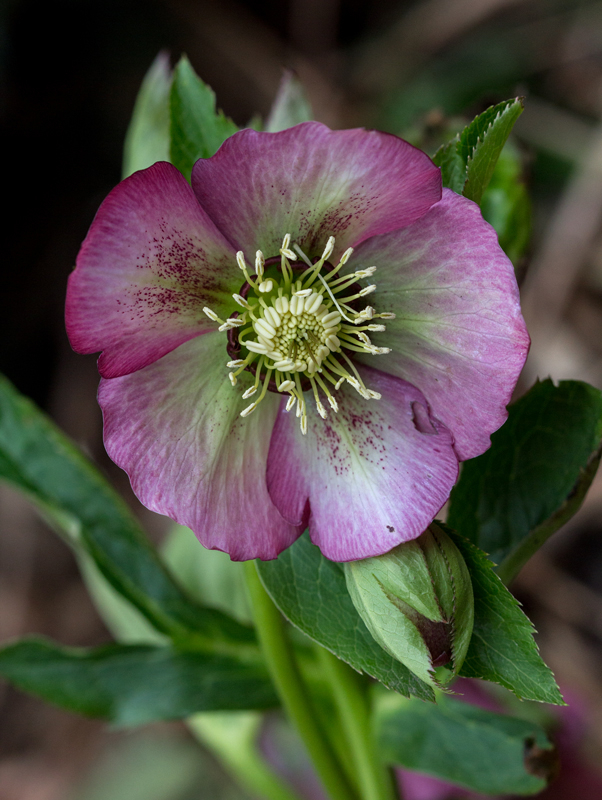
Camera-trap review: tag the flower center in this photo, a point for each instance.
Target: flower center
(298, 320)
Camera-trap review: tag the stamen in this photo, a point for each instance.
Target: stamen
(296, 333)
(211, 314)
(241, 301)
(259, 264)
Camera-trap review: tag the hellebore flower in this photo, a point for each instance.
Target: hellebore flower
(247, 402)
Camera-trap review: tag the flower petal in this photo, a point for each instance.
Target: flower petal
(152, 259)
(175, 428)
(312, 182)
(459, 335)
(369, 477)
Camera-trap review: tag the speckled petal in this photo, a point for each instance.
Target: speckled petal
(152, 259)
(312, 182)
(459, 335)
(367, 478)
(175, 428)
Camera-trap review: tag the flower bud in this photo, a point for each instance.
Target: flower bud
(417, 602)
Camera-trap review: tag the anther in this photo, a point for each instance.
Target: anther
(374, 395)
(346, 255)
(367, 290)
(321, 409)
(333, 403)
(239, 362)
(302, 293)
(241, 301)
(266, 286)
(376, 328)
(240, 260)
(235, 322)
(248, 410)
(365, 273)
(259, 263)
(328, 249)
(249, 392)
(211, 314)
(304, 425)
(233, 379)
(387, 315)
(338, 384)
(290, 402)
(286, 386)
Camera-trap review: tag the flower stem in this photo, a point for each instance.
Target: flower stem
(239, 754)
(373, 776)
(289, 684)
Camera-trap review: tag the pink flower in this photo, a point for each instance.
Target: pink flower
(345, 416)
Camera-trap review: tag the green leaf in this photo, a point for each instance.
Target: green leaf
(468, 161)
(197, 129)
(453, 168)
(39, 460)
(311, 592)
(460, 743)
(290, 107)
(135, 684)
(535, 475)
(502, 648)
(505, 204)
(147, 138)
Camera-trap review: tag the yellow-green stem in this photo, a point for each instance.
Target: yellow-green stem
(291, 689)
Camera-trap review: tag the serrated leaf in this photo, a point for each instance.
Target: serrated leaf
(453, 168)
(482, 141)
(534, 477)
(290, 107)
(197, 129)
(147, 138)
(462, 744)
(311, 592)
(502, 648)
(467, 162)
(39, 460)
(135, 684)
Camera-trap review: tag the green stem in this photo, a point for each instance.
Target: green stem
(290, 687)
(239, 753)
(374, 778)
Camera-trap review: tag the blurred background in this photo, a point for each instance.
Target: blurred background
(69, 73)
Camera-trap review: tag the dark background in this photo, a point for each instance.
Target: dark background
(69, 73)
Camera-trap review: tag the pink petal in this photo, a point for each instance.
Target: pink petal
(459, 335)
(152, 259)
(369, 477)
(175, 428)
(312, 182)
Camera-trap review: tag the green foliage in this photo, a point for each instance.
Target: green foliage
(535, 475)
(468, 161)
(505, 204)
(460, 743)
(197, 129)
(290, 107)
(502, 648)
(39, 460)
(147, 139)
(135, 684)
(311, 592)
